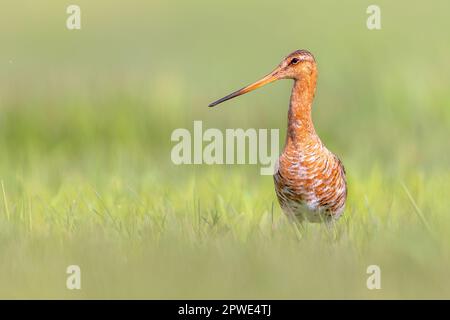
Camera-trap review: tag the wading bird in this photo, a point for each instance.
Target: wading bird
(309, 180)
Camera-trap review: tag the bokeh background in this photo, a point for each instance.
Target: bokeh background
(85, 124)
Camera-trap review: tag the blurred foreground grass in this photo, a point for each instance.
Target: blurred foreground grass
(85, 124)
(91, 190)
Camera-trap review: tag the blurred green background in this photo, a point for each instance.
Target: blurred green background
(85, 123)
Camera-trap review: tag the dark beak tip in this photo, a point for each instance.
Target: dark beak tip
(215, 103)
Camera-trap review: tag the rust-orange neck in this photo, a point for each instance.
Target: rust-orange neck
(300, 126)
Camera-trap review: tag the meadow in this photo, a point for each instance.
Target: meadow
(86, 176)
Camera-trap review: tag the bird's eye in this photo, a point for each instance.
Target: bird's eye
(295, 61)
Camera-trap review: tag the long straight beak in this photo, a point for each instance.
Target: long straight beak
(271, 77)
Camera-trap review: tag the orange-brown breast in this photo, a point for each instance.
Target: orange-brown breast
(310, 181)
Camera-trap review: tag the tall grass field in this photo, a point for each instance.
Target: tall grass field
(86, 118)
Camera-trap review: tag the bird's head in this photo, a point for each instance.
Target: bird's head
(297, 65)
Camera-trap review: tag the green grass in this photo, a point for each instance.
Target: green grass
(86, 176)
